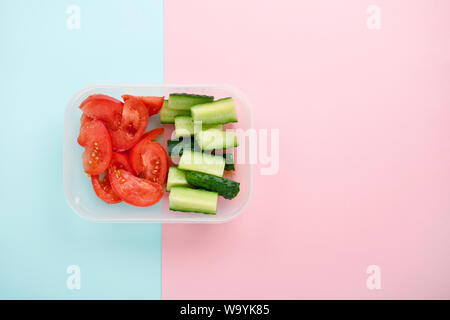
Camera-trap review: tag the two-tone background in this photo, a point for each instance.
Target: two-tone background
(360, 91)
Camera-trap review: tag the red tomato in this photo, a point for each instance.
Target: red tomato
(132, 126)
(153, 134)
(120, 161)
(149, 160)
(103, 189)
(103, 107)
(84, 118)
(134, 190)
(154, 104)
(95, 138)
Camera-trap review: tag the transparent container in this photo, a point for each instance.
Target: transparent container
(77, 186)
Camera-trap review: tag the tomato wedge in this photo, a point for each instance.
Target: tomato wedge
(105, 108)
(120, 161)
(103, 189)
(132, 125)
(149, 159)
(153, 134)
(154, 104)
(95, 138)
(134, 190)
(84, 118)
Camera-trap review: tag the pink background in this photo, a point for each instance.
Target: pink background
(364, 157)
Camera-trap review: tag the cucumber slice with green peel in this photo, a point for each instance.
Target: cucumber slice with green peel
(217, 112)
(184, 101)
(228, 156)
(199, 126)
(216, 139)
(168, 115)
(202, 162)
(229, 161)
(176, 147)
(193, 200)
(185, 126)
(176, 178)
(225, 187)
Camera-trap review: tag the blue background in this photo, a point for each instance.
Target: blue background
(42, 64)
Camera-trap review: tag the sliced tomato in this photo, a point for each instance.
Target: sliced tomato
(84, 118)
(105, 108)
(153, 134)
(134, 190)
(95, 138)
(154, 104)
(120, 161)
(132, 125)
(103, 189)
(149, 160)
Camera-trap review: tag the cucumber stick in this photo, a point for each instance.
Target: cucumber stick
(168, 115)
(224, 187)
(193, 200)
(176, 147)
(184, 101)
(176, 178)
(229, 161)
(217, 112)
(185, 126)
(212, 139)
(202, 162)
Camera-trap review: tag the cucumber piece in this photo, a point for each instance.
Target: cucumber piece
(229, 161)
(184, 101)
(225, 187)
(168, 115)
(202, 162)
(176, 178)
(198, 126)
(185, 126)
(176, 147)
(212, 139)
(193, 200)
(217, 112)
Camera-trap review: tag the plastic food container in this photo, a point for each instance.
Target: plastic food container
(77, 186)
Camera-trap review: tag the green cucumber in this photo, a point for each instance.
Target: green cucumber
(229, 161)
(212, 139)
(168, 115)
(185, 126)
(202, 162)
(217, 112)
(193, 200)
(184, 101)
(176, 147)
(176, 178)
(225, 187)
